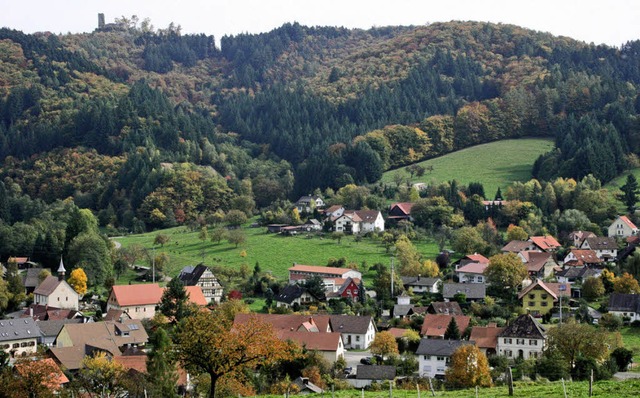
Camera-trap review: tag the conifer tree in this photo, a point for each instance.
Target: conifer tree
(630, 192)
(160, 365)
(452, 332)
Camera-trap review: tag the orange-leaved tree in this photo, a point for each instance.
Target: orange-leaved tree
(384, 344)
(469, 368)
(211, 343)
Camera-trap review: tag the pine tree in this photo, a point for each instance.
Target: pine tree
(174, 302)
(452, 332)
(630, 192)
(160, 365)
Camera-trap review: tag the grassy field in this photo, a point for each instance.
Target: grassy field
(496, 164)
(604, 389)
(631, 339)
(274, 253)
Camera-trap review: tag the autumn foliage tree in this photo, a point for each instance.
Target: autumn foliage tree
(505, 272)
(210, 343)
(384, 344)
(78, 281)
(469, 367)
(626, 284)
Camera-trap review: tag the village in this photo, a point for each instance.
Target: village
(511, 322)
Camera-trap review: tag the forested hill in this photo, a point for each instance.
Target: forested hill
(153, 127)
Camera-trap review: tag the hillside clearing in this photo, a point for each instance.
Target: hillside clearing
(496, 164)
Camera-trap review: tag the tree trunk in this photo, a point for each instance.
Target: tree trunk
(212, 388)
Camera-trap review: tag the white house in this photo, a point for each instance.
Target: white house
(606, 248)
(472, 273)
(56, 292)
(419, 284)
(201, 275)
(19, 337)
(359, 221)
(357, 331)
(524, 338)
(622, 227)
(308, 203)
(434, 356)
(625, 306)
(138, 301)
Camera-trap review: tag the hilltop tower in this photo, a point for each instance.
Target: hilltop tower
(100, 21)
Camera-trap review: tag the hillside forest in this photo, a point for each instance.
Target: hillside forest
(143, 128)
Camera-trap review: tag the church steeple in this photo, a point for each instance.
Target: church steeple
(61, 271)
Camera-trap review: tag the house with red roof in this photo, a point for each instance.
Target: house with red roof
(582, 258)
(300, 273)
(622, 227)
(539, 264)
(546, 243)
(486, 337)
(435, 325)
(540, 297)
(472, 272)
(400, 211)
(138, 300)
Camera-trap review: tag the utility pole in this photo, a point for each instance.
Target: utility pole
(153, 265)
(392, 278)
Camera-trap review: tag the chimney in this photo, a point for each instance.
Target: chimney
(61, 271)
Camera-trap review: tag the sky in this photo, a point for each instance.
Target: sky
(612, 22)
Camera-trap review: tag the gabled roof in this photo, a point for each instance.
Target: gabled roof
(400, 310)
(290, 293)
(191, 275)
(535, 261)
(601, 243)
(585, 256)
(624, 302)
(52, 328)
(196, 296)
(48, 286)
(319, 269)
(581, 235)
(477, 258)
(368, 216)
(578, 272)
(375, 372)
(333, 208)
(546, 242)
(48, 313)
(516, 246)
(135, 362)
(355, 324)
(54, 380)
(439, 347)
(397, 332)
(626, 220)
(445, 307)
(346, 283)
(473, 291)
(18, 329)
(30, 278)
(552, 288)
(404, 207)
(435, 325)
(473, 268)
(138, 294)
(524, 326)
(418, 281)
(312, 341)
(485, 336)
(291, 322)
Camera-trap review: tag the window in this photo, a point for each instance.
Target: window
(532, 296)
(544, 303)
(544, 296)
(16, 345)
(533, 355)
(357, 338)
(440, 358)
(533, 342)
(532, 303)
(507, 341)
(426, 357)
(520, 341)
(508, 353)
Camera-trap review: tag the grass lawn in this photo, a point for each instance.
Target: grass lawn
(274, 253)
(496, 164)
(631, 339)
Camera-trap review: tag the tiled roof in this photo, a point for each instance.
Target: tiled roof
(445, 307)
(195, 295)
(584, 256)
(53, 383)
(18, 329)
(397, 332)
(473, 291)
(30, 278)
(516, 246)
(435, 325)
(138, 294)
(478, 258)
(624, 302)
(319, 269)
(356, 324)
(535, 261)
(312, 341)
(546, 242)
(405, 207)
(290, 293)
(485, 336)
(47, 286)
(368, 216)
(135, 362)
(473, 268)
(524, 326)
(602, 243)
(418, 281)
(375, 372)
(439, 347)
(52, 328)
(290, 322)
(626, 220)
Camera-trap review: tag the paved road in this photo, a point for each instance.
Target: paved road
(353, 357)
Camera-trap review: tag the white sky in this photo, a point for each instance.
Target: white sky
(612, 22)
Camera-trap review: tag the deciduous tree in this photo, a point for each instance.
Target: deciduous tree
(469, 367)
(505, 272)
(78, 281)
(574, 339)
(592, 288)
(515, 232)
(236, 237)
(161, 239)
(384, 344)
(626, 284)
(209, 343)
(161, 366)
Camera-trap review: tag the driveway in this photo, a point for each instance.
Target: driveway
(353, 357)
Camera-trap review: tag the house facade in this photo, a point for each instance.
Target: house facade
(139, 301)
(606, 247)
(539, 265)
(308, 203)
(626, 306)
(524, 338)
(434, 356)
(420, 284)
(472, 273)
(359, 222)
(540, 297)
(622, 227)
(201, 275)
(357, 331)
(299, 273)
(56, 292)
(292, 295)
(19, 337)
(582, 258)
(400, 211)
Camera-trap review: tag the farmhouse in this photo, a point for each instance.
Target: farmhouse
(201, 275)
(19, 337)
(523, 338)
(606, 248)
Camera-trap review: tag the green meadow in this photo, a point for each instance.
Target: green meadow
(496, 164)
(275, 253)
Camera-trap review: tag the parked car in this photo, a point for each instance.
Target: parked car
(366, 361)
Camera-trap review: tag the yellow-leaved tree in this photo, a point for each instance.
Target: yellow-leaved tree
(78, 281)
(384, 344)
(469, 368)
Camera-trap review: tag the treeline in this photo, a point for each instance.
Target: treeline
(162, 49)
